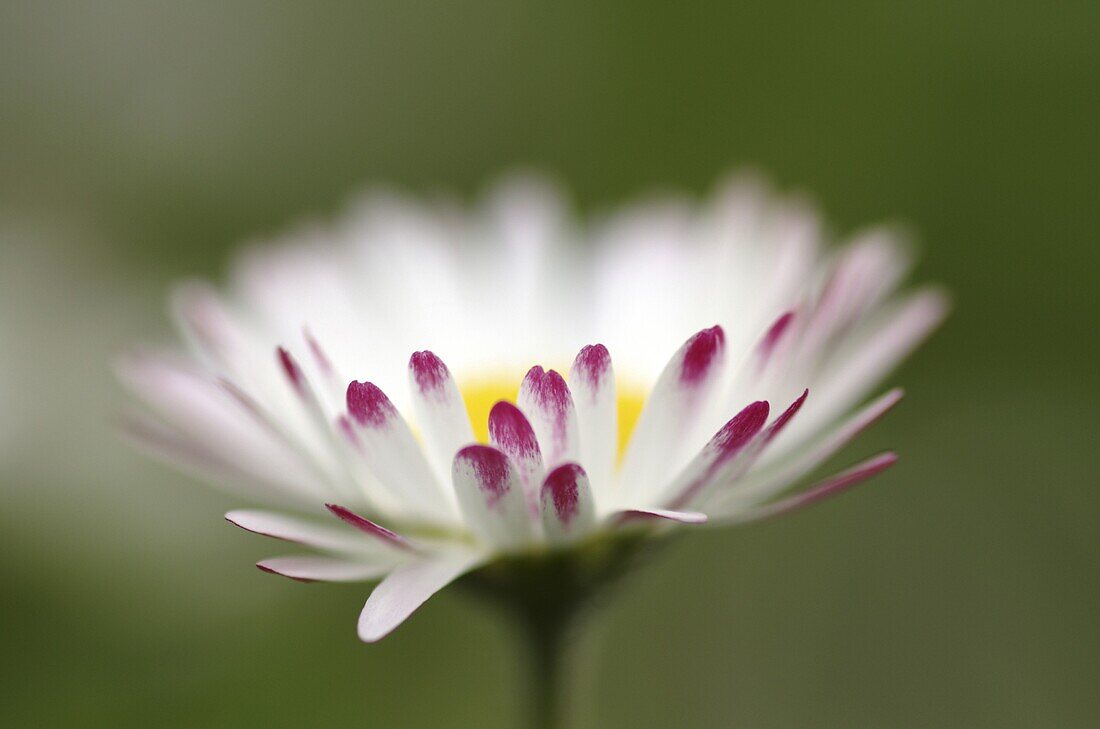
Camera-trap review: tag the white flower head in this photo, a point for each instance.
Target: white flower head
(723, 356)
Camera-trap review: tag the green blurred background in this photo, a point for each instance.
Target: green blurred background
(140, 141)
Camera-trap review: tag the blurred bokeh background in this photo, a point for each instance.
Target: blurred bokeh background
(141, 141)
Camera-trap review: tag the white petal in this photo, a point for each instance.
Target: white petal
(332, 380)
(865, 272)
(682, 517)
(207, 414)
(440, 412)
(406, 589)
(545, 399)
(323, 569)
(213, 329)
(568, 512)
(717, 468)
(491, 496)
(665, 435)
(877, 347)
(592, 382)
(393, 455)
(162, 442)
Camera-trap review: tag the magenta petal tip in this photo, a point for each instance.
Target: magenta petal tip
(291, 369)
(593, 362)
(561, 487)
(510, 431)
(428, 370)
(368, 527)
(368, 405)
(742, 427)
(490, 468)
(700, 354)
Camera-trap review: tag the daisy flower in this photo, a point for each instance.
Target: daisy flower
(421, 391)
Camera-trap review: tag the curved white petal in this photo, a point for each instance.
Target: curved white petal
(323, 569)
(407, 588)
(642, 514)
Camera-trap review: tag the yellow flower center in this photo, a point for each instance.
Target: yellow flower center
(481, 394)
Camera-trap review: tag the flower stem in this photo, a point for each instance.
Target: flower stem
(547, 694)
(549, 594)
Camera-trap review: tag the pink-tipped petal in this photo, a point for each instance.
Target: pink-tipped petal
(300, 384)
(439, 410)
(347, 430)
(393, 457)
(675, 417)
(822, 490)
(592, 382)
(568, 511)
(324, 364)
(323, 569)
(592, 369)
(866, 271)
(491, 496)
(729, 476)
(407, 588)
(331, 380)
(773, 337)
(371, 529)
(546, 401)
(768, 478)
(369, 406)
(510, 431)
(718, 456)
(291, 369)
(701, 355)
(772, 431)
